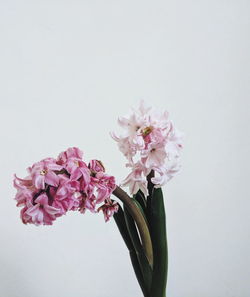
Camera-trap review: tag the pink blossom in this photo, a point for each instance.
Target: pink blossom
(41, 213)
(71, 159)
(67, 196)
(105, 186)
(164, 174)
(78, 169)
(43, 173)
(20, 183)
(96, 166)
(174, 144)
(132, 124)
(88, 202)
(25, 190)
(137, 180)
(109, 208)
(24, 197)
(125, 146)
(72, 152)
(54, 187)
(101, 186)
(150, 140)
(154, 135)
(154, 155)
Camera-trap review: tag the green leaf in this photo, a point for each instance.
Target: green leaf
(142, 259)
(140, 198)
(159, 241)
(150, 193)
(140, 208)
(138, 272)
(121, 224)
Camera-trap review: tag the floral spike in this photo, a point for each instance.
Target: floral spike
(150, 142)
(55, 186)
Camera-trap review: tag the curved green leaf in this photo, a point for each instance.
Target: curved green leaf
(121, 224)
(139, 196)
(142, 259)
(140, 208)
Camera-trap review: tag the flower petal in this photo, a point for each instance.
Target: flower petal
(52, 179)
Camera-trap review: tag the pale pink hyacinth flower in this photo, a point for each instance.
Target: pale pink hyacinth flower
(137, 180)
(150, 143)
(154, 155)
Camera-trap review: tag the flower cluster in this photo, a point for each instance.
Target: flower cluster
(150, 144)
(55, 186)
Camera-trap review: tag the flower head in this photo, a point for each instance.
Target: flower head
(149, 142)
(56, 186)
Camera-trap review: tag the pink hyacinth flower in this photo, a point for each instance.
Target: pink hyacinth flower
(105, 186)
(137, 180)
(88, 202)
(164, 174)
(109, 209)
(96, 166)
(57, 186)
(43, 173)
(25, 190)
(151, 140)
(154, 156)
(67, 195)
(77, 169)
(41, 213)
(70, 153)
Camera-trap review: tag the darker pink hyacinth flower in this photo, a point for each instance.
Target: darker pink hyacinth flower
(72, 161)
(41, 212)
(78, 169)
(88, 202)
(96, 166)
(105, 186)
(56, 186)
(70, 153)
(43, 173)
(101, 182)
(109, 209)
(67, 196)
(25, 190)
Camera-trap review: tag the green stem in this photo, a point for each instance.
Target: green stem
(140, 222)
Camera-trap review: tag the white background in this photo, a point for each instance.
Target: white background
(68, 69)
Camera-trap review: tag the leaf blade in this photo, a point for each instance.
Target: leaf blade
(142, 259)
(159, 241)
(121, 224)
